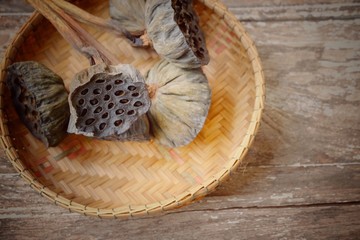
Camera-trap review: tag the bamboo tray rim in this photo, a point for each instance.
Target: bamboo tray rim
(194, 193)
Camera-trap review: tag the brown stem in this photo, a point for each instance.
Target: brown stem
(74, 33)
(90, 19)
(85, 17)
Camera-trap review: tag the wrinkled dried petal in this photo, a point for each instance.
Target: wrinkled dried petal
(180, 103)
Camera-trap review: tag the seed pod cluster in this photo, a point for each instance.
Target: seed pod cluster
(180, 103)
(113, 102)
(173, 27)
(40, 99)
(180, 94)
(109, 103)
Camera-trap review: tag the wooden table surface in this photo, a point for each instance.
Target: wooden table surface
(301, 179)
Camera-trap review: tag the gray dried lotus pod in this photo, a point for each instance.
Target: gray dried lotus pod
(180, 101)
(173, 27)
(40, 99)
(104, 95)
(130, 14)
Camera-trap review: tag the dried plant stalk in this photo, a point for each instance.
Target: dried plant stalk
(129, 31)
(86, 44)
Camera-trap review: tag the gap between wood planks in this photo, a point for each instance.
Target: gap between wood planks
(287, 13)
(334, 204)
(297, 165)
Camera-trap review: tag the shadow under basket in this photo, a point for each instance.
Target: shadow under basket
(122, 179)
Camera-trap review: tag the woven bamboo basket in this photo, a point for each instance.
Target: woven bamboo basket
(122, 179)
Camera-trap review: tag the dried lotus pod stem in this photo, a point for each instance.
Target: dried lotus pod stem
(135, 37)
(73, 32)
(171, 27)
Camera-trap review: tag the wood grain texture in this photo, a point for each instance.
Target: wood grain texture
(339, 222)
(301, 177)
(14, 6)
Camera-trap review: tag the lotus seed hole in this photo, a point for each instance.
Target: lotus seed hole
(89, 121)
(94, 101)
(100, 81)
(98, 110)
(102, 126)
(124, 101)
(97, 91)
(118, 122)
(81, 101)
(110, 105)
(108, 87)
(119, 93)
(135, 94)
(131, 112)
(119, 111)
(132, 88)
(106, 97)
(85, 91)
(138, 104)
(119, 82)
(105, 115)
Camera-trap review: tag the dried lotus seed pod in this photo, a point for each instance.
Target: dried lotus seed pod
(130, 14)
(139, 130)
(174, 30)
(109, 105)
(180, 101)
(40, 99)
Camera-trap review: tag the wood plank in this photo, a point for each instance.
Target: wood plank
(311, 113)
(248, 10)
(313, 222)
(8, 28)
(314, 12)
(258, 186)
(280, 3)
(15, 6)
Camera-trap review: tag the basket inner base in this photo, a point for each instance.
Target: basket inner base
(104, 174)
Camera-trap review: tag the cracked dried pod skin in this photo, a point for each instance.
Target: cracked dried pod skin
(180, 101)
(109, 102)
(40, 99)
(130, 14)
(174, 30)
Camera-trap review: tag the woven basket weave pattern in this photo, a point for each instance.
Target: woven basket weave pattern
(113, 179)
